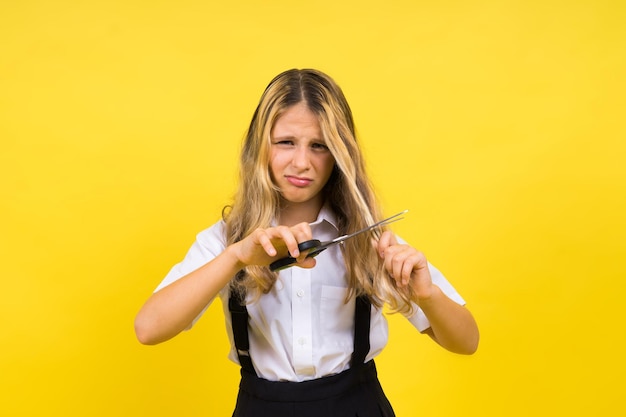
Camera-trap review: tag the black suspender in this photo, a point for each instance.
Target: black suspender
(362, 316)
(239, 318)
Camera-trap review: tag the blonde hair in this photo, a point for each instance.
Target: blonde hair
(348, 191)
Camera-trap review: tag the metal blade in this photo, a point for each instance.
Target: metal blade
(384, 222)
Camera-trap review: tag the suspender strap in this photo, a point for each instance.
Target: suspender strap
(362, 316)
(239, 318)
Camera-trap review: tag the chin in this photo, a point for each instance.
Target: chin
(298, 199)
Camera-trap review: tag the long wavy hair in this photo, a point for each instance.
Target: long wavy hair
(348, 192)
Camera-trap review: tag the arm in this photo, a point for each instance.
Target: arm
(452, 325)
(172, 309)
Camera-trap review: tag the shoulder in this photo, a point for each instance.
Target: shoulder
(208, 244)
(215, 234)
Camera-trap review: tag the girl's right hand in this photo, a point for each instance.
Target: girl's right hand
(264, 246)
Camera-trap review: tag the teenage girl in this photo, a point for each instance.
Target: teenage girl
(306, 336)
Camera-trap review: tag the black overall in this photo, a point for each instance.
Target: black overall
(354, 392)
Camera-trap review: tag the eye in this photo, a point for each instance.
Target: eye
(283, 142)
(318, 146)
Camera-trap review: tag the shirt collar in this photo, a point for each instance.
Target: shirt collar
(326, 215)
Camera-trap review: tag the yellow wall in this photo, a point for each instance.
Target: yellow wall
(499, 124)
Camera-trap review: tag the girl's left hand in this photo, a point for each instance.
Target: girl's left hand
(407, 266)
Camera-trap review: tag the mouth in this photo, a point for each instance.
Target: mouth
(298, 181)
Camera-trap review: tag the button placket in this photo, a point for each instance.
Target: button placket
(302, 321)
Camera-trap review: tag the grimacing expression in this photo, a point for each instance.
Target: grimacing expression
(300, 161)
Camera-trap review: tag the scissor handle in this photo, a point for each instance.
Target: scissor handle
(315, 247)
(308, 244)
(287, 261)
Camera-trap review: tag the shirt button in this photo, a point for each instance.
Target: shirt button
(300, 293)
(302, 341)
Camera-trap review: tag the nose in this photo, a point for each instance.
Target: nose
(301, 158)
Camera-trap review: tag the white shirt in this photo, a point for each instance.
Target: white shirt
(301, 329)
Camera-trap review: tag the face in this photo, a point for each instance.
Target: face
(300, 161)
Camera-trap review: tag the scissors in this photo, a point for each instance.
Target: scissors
(315, 247)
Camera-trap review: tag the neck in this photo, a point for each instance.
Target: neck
(294, 213)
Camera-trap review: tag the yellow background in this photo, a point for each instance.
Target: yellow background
(499, 124)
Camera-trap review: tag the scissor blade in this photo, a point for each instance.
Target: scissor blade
(315, 247)
(384, 222)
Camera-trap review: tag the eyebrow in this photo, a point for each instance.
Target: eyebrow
(316, 139)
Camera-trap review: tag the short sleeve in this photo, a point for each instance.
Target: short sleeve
(209, 243)
(419, 319)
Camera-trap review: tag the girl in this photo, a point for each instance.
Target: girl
(305, 336)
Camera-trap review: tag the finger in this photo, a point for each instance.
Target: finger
(302, 233)
(398, 264)
(263, 238)
(386, 240)
(407, 269)
(306, 263)
(390, 259)
(403, 265)
(420, 267)
(285, 234)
